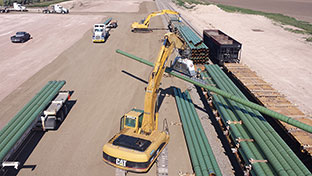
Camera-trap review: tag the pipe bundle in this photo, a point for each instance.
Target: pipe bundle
(199, 51)
(107, 21)
(203, 160)
(11, 133)
(258, 143)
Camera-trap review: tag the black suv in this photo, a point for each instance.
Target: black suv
(20, 37)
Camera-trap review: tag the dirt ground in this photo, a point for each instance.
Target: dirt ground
(103, 5)
(106, 85)
(300, 9)
(51, 35)
(280, 57)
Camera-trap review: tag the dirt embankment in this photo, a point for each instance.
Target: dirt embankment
(280, 57)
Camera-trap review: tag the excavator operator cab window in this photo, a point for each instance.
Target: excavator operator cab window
(130, 121)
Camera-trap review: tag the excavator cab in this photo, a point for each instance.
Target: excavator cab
(132, 119)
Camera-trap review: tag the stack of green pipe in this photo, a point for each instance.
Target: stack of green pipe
(189, 35)
(203, 159)
(281, 160)
(199, 51)
(107, 21)
(12, 132)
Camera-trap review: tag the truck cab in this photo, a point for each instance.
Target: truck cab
(59, 9)
(132, 119)
(99, 33)
(18, 7)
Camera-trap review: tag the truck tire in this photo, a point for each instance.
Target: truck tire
(61, 115)
(50, 123)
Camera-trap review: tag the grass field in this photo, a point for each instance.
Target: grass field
(45, 4)
(283, 19)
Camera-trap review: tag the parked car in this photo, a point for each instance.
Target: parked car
(20, 37)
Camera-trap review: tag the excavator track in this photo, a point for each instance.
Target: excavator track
(138, 30)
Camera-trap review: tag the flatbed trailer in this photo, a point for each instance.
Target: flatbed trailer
(53, 113)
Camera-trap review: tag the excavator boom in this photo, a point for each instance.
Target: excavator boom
(143, 27)
(171, 41)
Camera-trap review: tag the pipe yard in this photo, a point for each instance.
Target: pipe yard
(225, 120)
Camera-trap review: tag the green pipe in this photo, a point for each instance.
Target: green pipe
(247, 149)
(16, 129)
(107, 21)
(194, 159)
(258, 134)
(278, 142)
(271, 153)
(202, 134)
(263, 124)
(273, 141)
(255, 106)
(3, 131)
(16, 126)
(196, 143)
(34, 115)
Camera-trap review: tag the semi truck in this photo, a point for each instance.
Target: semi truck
(100, 33)
(44, 112)
(16, 7)
(56, 9)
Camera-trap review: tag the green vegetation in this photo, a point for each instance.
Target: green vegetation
(309, 39)
(190, 2)
(283, 19)
(297, 31)
(45, 3)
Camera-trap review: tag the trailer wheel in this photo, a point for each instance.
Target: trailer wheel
(65, 109)
(61, 115)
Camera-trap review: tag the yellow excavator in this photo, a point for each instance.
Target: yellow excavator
(139, 142)
(143, 26)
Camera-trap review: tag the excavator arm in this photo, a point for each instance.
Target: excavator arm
(162, 12)
(144, 25)
(150, 117)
